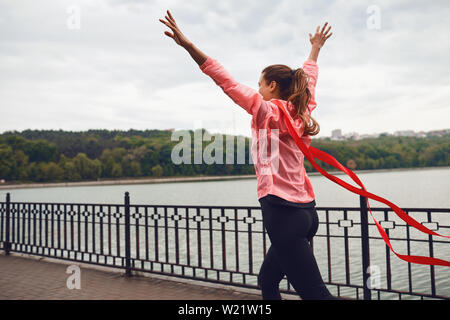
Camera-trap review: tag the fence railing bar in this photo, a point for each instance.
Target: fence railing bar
(431, 252)
(388, 258)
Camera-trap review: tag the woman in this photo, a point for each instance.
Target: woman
(284, 190)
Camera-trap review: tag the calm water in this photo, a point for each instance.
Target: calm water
(417, 188)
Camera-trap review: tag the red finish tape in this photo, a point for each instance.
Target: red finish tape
(311, 153)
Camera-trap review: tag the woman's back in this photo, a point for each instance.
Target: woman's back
(277, 159)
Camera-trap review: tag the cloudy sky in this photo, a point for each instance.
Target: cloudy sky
(106, 64)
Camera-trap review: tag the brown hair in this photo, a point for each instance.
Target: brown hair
(293, 86)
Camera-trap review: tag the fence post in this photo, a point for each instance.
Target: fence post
(365, 246)
(127, 235)
(7, 236)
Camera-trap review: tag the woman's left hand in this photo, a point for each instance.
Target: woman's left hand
(320, 37)
(177, 35)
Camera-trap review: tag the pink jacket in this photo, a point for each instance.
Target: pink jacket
(277, 159)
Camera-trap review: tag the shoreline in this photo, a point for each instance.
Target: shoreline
(147, 180)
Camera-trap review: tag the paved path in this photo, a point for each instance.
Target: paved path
(31, 279)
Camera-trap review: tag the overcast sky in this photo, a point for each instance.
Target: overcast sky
(106, 64)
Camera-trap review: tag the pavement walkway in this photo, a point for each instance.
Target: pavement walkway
(25, 278)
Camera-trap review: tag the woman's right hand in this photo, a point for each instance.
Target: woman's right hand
(177, 35)
(318, 40)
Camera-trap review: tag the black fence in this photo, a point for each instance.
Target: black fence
(227, 245)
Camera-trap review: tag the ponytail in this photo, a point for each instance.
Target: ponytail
(300, 98)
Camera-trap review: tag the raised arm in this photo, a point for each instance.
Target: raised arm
(310, 65)
(318, 40)
(181, 39)
(249, 99)
(246, 97)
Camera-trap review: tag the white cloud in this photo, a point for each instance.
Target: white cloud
(120, 71)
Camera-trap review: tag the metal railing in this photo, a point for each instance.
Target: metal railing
(227, 244)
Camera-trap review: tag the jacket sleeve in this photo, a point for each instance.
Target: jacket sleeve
(249, 99)
(312, 70)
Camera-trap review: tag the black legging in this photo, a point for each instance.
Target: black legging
(290, 230)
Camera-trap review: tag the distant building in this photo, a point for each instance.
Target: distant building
(352, 135)
(421, 134)
(439, 133)
(171, 129)
(406, 133)
(365, 136)
(336, 134)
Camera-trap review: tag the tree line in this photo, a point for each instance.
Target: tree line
(62, 156)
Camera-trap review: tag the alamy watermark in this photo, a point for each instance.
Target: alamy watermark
(373, 21)
(373, 282)
(266, 157)
(74, 280)
(73, 21)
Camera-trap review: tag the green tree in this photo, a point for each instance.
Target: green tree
(40, 151)
(135, 168)
(87, 168)
(28, 155)
(118, 154)
(70, 172)
(108, 166)
(116, 171)
(157, 171)
(52, 172)
(7, 162)
(36, 172)
(62, 160)
(21, 164)
(149, 161)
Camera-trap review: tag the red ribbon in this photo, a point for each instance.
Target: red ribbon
(311, 153)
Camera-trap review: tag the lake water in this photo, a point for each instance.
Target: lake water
(415, 188)
(418, 188)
